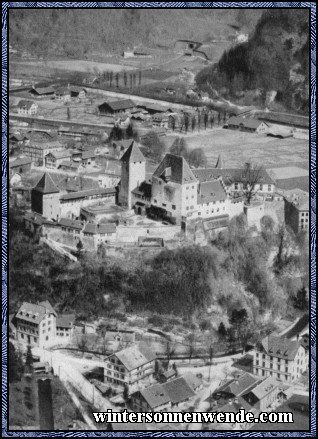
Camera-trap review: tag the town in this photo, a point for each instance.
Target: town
(159, 243)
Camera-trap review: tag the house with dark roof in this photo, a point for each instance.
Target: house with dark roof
(162, 397)
(281, 358)
(36, 324)
(27, 107)
(263, 395)
(132, 367)
(247, 124)
(21, 165)
(42, 92)
(63, 94)
(234, 388)
(64, 327)
(116, 107)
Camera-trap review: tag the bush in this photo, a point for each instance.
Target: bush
(156, 320)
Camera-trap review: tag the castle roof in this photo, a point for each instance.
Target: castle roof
(133, 154)
(177, 168)
(46, 185)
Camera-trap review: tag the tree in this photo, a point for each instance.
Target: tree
(173, 123)
(116, 133)
(186, 121)
(179, 147)
(191, 340)
(240, 326)
(251, 179)
(68, 113)
(199, 120)
(79, 247)
(110, 78)
(169, 352)
(125, 78)
(129, 131)
(126, 392)
(197, 158)
(15, 364)
(301, 299)
(205, 119)
(131, 80)
(117, 79)
(155, 148)
(219, 118)
(193, 123)
(82, 343)
(211, 121)
(29, 360)
(222, 330)
(139, 76)
(157, 368)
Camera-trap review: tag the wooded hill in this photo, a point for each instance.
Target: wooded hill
(275, 58)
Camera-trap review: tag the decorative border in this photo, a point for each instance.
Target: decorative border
(311, 6)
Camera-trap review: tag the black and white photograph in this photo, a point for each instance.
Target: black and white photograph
(159, 217)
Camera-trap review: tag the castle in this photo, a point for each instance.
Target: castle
(175, 192)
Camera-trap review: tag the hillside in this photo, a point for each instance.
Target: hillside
(275, 59)
(82, 32)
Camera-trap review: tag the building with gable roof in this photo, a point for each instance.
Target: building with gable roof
(36, 324)
(27, 107)
(280, 358)
(132, 367)
(263, 395)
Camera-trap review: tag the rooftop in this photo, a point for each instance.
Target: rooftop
(26, 104)
(65, 320)
(237, 386)
(21, 161)
(211, 191)
(264, 388)
(87, 193)
(133, 154)
(135, 356)
(94, 229)
(280, 347)
(46, 185)
(178, 169)
(119, 105)
(34, 313)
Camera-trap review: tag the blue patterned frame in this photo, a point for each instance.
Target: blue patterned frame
(312, 7)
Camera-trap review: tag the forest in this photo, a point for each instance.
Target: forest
(276, 57)
(263, 273)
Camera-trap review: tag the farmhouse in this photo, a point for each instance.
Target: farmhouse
(247, 124)
(20, 165)
(36, 324)
(116, 107)
(263, 395)
(130, 367)
(280, 358)
(78, 92)
(54, 159)
(27, 107)
(38, 150)
(63, 94)
(42, 92)
(65, 327)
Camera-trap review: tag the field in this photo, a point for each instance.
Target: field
(76, 65)
(239, 147)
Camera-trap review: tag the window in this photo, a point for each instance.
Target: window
(173, 207)
(269, 188)
(278, 376)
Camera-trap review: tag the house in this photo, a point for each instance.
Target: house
(290, 120)
(65, 327)
(68, 165)
(131, 367)
(296, 210)
(38, 150)
(247, 124)
(71, 226)
(45, 198)
(101, 233)
(88, 158)
(153, 108)
(42, 92)
(20, 165)
(27, 107)
(54, 159)
(36, 324)
(263, 395)
(78, 92)
(63, 94)
(116, 107)
(35, 222)
(18, 138)
(234, 388)
(162, 397)
(280, 358)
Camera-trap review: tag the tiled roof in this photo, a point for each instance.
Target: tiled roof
(65, 153)
(43, 90)
(264, 388)
(74, 224)
(178, 169)
(69, 164)
(280, 347)
(88, 154)
(237, 386)
(46, 185)
(133, 154)
(65, 321)
(178, 390)
(211, 191)
(87, 193)
(37, 219)
(34, 313)
(193, 381)
(229, 175)
(119, 105)
(20, 162)
(135, 356)
(102, 228)
(155, 395)
(26, 104)
(246, 122)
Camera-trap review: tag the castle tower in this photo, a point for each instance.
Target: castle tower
(133, 173)
(45, 198)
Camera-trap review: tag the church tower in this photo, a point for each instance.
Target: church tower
(45, 198)
(133, 173)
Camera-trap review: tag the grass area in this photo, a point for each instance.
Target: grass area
(239, 147)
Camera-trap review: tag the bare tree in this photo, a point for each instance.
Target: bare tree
(251, 179)
(82, 343)
(169, 352)
(191, 345)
